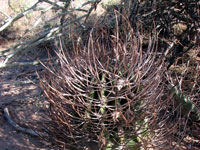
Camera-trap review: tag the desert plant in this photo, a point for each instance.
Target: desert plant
(103, 92)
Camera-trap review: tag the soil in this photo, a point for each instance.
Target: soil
(19, 90)
(21, 94)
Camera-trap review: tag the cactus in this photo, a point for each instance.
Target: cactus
(103, 91)
(185, 103)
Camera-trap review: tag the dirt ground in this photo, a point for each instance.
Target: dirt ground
(21, 94)
(19, 90)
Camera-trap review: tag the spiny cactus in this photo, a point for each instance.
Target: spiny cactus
(104, 91)
(108, 92)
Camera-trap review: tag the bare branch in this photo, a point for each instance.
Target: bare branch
(18, 16)
(18, 127)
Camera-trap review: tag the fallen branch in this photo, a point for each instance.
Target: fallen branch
(26, 45)
(18, 16)
(45, 35)
(19, 64)
(19, 82)
(22, 64)
(6, 115)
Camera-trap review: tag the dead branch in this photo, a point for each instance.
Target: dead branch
(6, 115)
(18, 16)
(47, 34)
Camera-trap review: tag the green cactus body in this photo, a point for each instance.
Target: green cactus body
(184, 102)
(102, 95)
